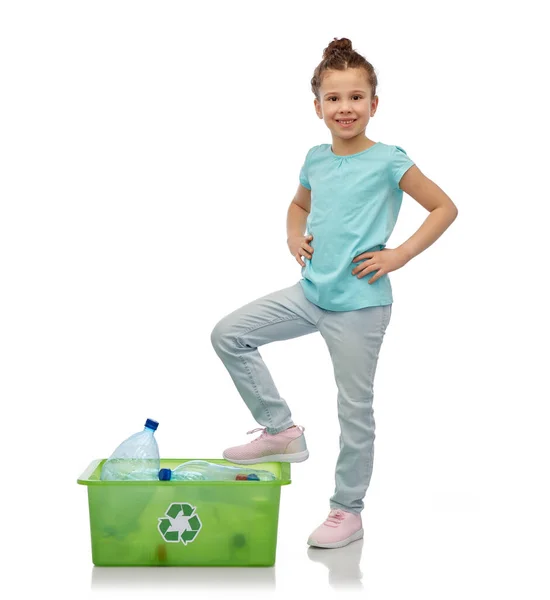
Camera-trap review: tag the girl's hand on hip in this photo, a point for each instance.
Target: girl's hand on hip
(299, 246)
(383, 261)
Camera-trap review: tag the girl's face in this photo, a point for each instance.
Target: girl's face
(345, 95)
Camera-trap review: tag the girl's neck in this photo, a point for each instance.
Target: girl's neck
(353, 146)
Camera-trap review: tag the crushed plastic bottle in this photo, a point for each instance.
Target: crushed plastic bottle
(135, 459)
(202, 470)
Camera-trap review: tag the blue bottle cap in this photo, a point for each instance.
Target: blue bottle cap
(150, 424)
(253, 477)
(165, 474)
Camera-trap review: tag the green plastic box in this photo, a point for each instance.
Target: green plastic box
(184, 523)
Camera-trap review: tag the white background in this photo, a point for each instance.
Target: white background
(149, 152)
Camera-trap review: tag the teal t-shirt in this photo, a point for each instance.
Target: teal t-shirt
(355, 201)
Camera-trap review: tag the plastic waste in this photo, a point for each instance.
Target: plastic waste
(180, 474)
(135, 459)
(202, 470)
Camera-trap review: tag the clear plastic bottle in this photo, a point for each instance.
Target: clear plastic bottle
(202, 470)
(180, 474)
(137, 458)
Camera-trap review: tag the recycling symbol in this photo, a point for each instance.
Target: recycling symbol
(180, 523)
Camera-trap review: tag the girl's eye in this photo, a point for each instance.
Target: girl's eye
(356, 96)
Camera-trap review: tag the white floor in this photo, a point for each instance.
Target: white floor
(432, 547)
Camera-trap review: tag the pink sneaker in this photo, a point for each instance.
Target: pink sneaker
(286, 446)
(340, 528)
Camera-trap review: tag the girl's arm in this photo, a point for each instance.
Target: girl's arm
(442, 211)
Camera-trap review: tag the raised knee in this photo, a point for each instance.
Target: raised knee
(216, 334)
(221, 334)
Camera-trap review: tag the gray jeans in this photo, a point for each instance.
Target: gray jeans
(353, 338)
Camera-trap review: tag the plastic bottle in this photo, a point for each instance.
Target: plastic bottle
(137, 458)
(202, 470)
(180, 474)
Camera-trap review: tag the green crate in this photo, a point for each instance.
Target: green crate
(184, 523)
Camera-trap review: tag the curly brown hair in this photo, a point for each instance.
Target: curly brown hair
(339, 55)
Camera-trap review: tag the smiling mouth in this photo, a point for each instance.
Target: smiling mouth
(345, 123)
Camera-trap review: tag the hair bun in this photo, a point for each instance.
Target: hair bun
(340, 55)
(342, 46)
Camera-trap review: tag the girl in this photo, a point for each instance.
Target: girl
(348, 199)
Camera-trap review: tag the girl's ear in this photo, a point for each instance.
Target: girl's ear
(317, 108)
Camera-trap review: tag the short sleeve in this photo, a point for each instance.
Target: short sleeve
(304, 179)
(399, 164)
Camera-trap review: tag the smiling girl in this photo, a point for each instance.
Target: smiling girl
(348, 200)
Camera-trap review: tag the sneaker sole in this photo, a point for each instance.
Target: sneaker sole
(292, 458)
(352, 538)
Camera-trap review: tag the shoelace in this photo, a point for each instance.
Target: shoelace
(264, 432)
(334, 518)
